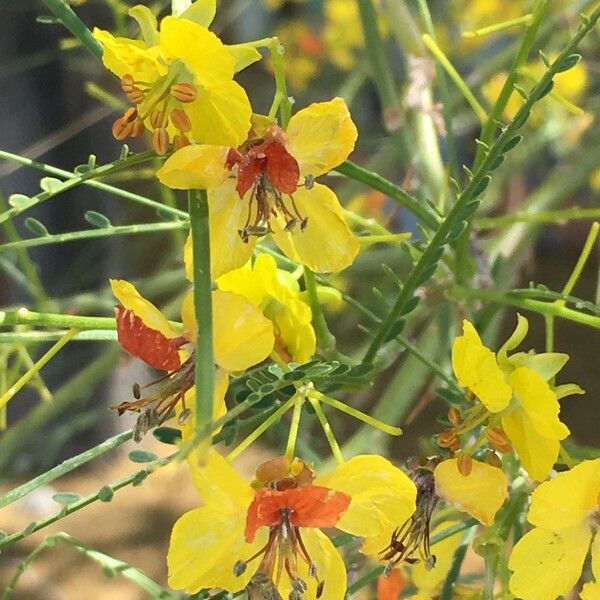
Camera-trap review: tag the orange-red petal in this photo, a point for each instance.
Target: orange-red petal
(145, 343)
(308, 506)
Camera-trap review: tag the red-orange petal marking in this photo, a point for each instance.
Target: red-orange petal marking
(282, 168)
(150, 345)
(308, 506)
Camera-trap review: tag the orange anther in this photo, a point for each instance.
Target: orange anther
(157, 119)
(180, 119)
(449, 439)
(138, 128)
(136, 96)
(160, 140)
(454, 416)
(130, 115)
(184, 92)
(491, 458)
(180, 141)
(498, 439)
(122, 128)
(127, 83)
(464, 463)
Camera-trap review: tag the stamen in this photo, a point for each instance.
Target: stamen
(239, 568)
(184, 92)
(157, 119)
(137, 392)
(180, 141)
(181, 120)
(160, 141)
(184, 417)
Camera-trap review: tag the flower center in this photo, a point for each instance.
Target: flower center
(159, 106)
(271, 174)
(156, 407)
(280, 554)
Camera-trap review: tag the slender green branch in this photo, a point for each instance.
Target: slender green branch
(74, 236)
(204, 375)
(22, 316)
(325, 340)
(420, 209)
(380, 68)
(560, 216)
(447, 592)
(38, 337)
(59, 187)
(543, 308)
(111, 189)
(65, 467)
(75, 25)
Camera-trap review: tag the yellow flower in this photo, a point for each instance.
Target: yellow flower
(244, 533)
(277, 294)
(267, 186)
(565, 511)
(517, 392)
(147, 334)
(179, 92)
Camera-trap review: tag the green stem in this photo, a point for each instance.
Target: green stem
(22, 316)
(75, 25)
(529, 36)
(496, 27)
(290, 448)
(560, 216)
(72, 182)
(38, 337)
(420, 209)
(65, 467)
(115, 191)
(333, 443)
(204, 374)
(380, 68)
(281, 100)
(543, 308)
(74, 236)
(325, 340)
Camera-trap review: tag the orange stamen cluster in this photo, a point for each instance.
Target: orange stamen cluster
(285, 502)
(156, 108)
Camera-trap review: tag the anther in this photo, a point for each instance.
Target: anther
(320, 589)
(184, 92)
(388, 569)
(449, 439)
(181, 120)
(312, 570)
(303, 223)
(464, 464)
(137, 392)
(121, 129)
(299, 585)
(290, 224)
(157, 119)
(309, 182)
(239, 568)
(138, 128)
(180, 141)
(136, 96)
(454, 416)
(498, 439)
(127, 83)
(160, 140)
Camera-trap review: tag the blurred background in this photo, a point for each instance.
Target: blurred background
(58, 104)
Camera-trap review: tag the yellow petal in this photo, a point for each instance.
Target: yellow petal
(330, 568)
(596, 557)
(517, 336)
(381, 494)
(568, 499)
(147, 22)
(201, 12)
(181, 39)
(590, 591)
(250, 280)
(221, 114)
(466, 492)
(195, 167)
(547, 564)
(205, 544)
(244, 55)
(123, 56)
(429, 581)
(327, 244)
(537, 453)
(321, 136)
(221, 486)
(539, 402)
(127, 294)
(228, 214)
(476, 369)
(243, 336)
(547, 364)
